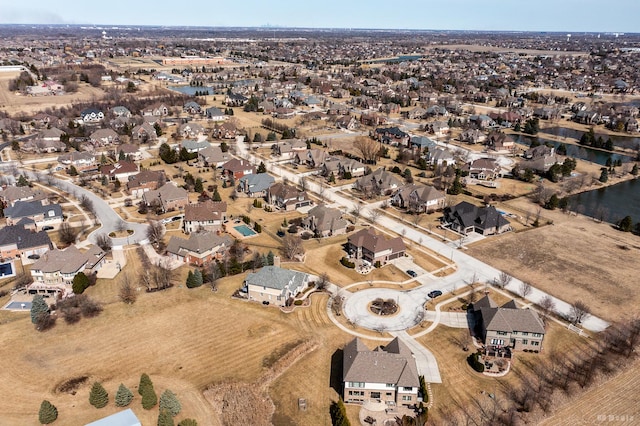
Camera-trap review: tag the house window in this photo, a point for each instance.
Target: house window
(525, 342)
(537, 335)
(389, 394)
(406, 397)
(407, 389)
(391, 385)
(524, 333)
(375, 395)
(501, 333)
(355, 384)
(535, 343)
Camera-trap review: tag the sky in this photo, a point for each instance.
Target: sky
(486, 15)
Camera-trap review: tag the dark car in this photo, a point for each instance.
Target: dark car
(34, 256)
(265, 302)
(47, 228)
(411, 273)
(435, 293)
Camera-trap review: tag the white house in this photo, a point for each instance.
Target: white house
(275, 285)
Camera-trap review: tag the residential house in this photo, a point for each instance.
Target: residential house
(275, 285)
(438, 128)
(482, 121)
(507, 326)
(200, 248)
(387, 374)
(120, 111)
(82, 161)
(372, 119)
(347, 122)
(156, 110)
(312, 158)
(208, 215)
(472, 136)
(287, 197)
(42, 214)
(146, 180)
(191, 130)
(215, 114)
(380, 182)
(483, 169)
(287, 150)
(256, 185)
(52, 134)
(422, 143)
(466, 217)
(19, 242)
(144, 133)
(343, 167)
(193, 147)
(500, 142)
(418, 198)
(235, 100)
(392, 136)
(237, 168)
(168, 197)
(104, 137)
(192, 107)
(539, 158)
(437, 156)
(92, 115)
(41, 146)
(324, 221)
(130, 152)
(213, 156)
(373, 248)
(11, 194)
(225, 131)
(416, 113)
(119, 171)
(55, 270)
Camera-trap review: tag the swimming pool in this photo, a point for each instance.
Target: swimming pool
(15, 306)
(6, 269)
(245, 230)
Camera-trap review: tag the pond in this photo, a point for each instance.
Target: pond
(611, 203)
(627, 142)
(580, 152)
(191, 90)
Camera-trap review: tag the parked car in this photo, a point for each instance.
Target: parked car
(265, 302)
(435, 293)
(412, 273)
(47, 228)
(34, 256)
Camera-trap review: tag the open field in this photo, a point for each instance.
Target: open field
(16, 104)
(617, 397)
(577, 258)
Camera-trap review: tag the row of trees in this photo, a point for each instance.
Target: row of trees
(71, 309)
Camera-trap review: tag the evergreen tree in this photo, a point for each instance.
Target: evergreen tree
(190, 281)
(38, 306)
(339, 414)
(270, 257)
(188, 422)
(158, 129)
(198, 187)
(604, 175)
(262, 168)
(197, 277)
(145, 382)
(164, 418)
(48, 413)
(72, 171)
(634, 170)
(123, 396)
(80, 283)
(149, 398)
(169, 402)
(98, 397)
(216, 195)
(456, 186)
(553, 202)
(626, 224)
(22, 181)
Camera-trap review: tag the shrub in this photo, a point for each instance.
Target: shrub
(165, 418)
(169, 402)
(339, 413)
(80, 283)
(123, 396)
(346, 263)
(246, 219)
(475, 363)
(188, 422)
(145, 382)
(48, 413)
(377, 264)
(112, 234)
(298, 302)
(38, 306)
(257, 227)
(98, 397)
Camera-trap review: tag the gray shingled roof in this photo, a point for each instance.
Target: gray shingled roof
(392, 364)
(66, 261)
(23, 238)
(275, 277)
(198, 242)
(32, 208)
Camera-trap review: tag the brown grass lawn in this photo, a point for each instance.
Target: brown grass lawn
(184, 339)
(576, 258)
(460, 384)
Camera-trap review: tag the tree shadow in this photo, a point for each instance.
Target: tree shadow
(335, 379)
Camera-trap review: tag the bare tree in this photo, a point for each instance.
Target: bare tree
(357, 208)
(374, 215)
(67, 233)
(321, 191)
(215, 275)
(368, 148)
(525, 289)
(155, 232)
(303, 183)
(87, 204)
(121, 226)
(323, 280)
(127, 291)
(503, 280)
(547, 306)
(104, 242)
(292, 246)
(579, 311)
(336, 304)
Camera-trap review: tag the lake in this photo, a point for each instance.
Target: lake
(578, 151)
(614, 202)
